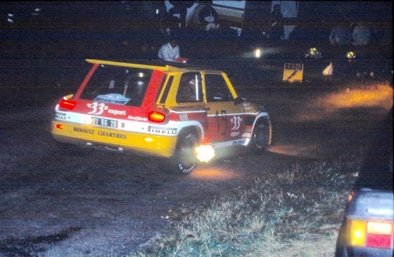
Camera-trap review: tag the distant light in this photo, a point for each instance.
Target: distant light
(36, 11)
(141, 74)
(10, 17)
(351, 55)
(313, 52)
(157, 11)
(257, 53)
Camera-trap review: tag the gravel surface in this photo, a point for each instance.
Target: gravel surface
(79, 203)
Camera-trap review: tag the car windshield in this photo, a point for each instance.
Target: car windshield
(117, 85)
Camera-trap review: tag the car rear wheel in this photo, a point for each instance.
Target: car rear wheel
(184, 160)
(261, 137)
(340, 247)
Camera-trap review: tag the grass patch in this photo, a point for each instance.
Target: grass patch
(292, 213)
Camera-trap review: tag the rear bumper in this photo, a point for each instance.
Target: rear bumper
(91, 136)
(365, 251)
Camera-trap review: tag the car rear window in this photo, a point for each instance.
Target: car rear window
(117, 85)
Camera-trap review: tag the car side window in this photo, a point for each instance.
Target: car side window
(189, 89)
(217, 89)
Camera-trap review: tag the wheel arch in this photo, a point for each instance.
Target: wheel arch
(263, 116)
(194, 129)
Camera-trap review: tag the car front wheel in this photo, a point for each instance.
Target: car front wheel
(184, 160)
(261, 137)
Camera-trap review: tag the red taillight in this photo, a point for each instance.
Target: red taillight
(59, 126)
(379, 234)
(156, 117)
(380, 241)
(67, 104)
(370, 233)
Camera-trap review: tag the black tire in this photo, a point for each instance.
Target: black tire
(340, 247)
(340, 251)
(261, 137)
(184, 160)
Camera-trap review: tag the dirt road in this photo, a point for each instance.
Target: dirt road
(105, 204)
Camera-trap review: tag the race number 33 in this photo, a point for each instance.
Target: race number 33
(236, 122)
(97, 108)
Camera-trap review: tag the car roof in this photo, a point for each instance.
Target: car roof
(153, 65)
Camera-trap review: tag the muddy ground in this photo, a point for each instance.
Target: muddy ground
(56, 203)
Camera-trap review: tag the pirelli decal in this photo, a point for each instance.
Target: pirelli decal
(99, 133)
(162, 131)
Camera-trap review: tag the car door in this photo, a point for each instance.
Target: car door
(225, 118)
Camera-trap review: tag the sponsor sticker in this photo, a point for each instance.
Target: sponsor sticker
(111, 134)
(117, 112)
(162, 131)
(83, 130)
(137, 118)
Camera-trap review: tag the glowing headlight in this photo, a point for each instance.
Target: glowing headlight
(350, 55)
(205, 153)
(257, 53)
(313, 53)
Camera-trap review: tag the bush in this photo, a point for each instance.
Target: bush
(295, 212)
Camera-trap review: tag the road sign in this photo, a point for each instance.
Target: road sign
(293, 72)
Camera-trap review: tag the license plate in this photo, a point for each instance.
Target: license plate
(60, 116)
(104, 122)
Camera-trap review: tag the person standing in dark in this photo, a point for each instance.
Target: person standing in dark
(209, 17)
(180, 7)
(276, 21)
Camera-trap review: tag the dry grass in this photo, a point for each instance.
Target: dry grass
(294, 213)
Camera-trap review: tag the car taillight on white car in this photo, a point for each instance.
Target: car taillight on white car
(376, 234)
(370, 219)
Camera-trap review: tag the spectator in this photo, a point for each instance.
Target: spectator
(169, 52)
(208, 17)
(180, 7)
(340, 35)
(276, 23)
(169, 25)
(361, 35)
